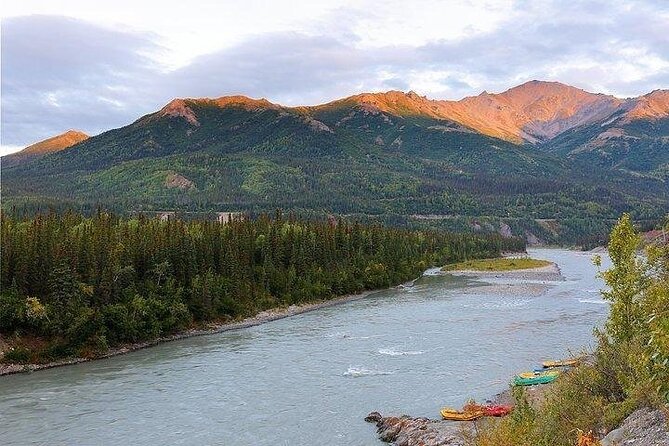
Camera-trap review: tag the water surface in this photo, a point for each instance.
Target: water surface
(311, 379)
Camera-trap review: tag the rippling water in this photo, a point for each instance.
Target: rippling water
(311, 379)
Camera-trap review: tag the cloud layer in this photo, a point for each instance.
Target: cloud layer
(60, 72)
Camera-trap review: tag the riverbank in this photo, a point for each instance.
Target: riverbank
(405, 430)
(212, 328)
(208, 329)
(646, 426)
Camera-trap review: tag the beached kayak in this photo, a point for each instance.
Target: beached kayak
(497, 410)
(542, 379)
(489, 410)
(457, 415)
(536, 373)
(564, 363)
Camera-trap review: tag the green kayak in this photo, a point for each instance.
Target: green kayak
(539, 379)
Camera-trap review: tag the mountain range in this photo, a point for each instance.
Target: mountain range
(549, 160)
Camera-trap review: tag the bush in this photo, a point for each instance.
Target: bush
(20, 355)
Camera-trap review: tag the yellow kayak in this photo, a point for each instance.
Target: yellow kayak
(456, 415)
(564, 363)
(535, 374)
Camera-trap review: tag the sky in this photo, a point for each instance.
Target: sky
(96, 65)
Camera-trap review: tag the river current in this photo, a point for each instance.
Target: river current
(312, 378)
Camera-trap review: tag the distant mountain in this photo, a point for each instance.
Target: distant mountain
(532, 112)
(44, 147)
(549, 160)
(635, 138)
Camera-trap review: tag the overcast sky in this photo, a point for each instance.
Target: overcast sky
(96, 65)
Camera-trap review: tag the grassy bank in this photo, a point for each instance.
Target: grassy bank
(629, 368)
(497, 264)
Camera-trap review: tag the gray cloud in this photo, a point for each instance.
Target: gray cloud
(59, 73)
(584, 42)
(289, 68)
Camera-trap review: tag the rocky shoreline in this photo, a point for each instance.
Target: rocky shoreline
(260, 318)
(405, 430)
(644, 427)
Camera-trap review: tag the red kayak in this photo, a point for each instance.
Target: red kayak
(490, 410)
(497, 411)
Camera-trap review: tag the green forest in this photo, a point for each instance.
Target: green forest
(76, 286)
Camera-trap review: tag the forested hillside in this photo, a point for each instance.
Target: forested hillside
(394, 157)
(75, 286)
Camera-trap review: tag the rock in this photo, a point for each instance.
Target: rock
(505, 230)
(174, 180)
(644, 427)
(179, 108)
(316, 126)
(532, 239)
(409, 431)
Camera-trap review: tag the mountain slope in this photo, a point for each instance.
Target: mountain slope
(49, 145)
(635, 139)
(395, 156)
(532, 112)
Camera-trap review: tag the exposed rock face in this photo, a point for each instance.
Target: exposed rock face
(644, 427)
(532, 239)
(654, 105)
(316, 125)
(177, 181)
(505, 230)
(534, 111)
(181, 108)
(408, 431)
(178, 108)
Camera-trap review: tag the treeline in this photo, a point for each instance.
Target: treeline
(78, 285)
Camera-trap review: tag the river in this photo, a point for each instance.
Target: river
(311, 379)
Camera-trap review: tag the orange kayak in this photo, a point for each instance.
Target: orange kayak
(457, 415)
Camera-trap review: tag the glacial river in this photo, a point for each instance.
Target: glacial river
(311, 379)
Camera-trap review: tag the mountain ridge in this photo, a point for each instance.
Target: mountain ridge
(55, 143)
(396, 156)
(46, 146)
(532, 112)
